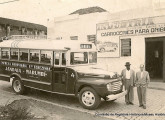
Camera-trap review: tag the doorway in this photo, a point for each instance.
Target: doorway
(154, 57)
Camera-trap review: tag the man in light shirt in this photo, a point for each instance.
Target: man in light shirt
(128, 78)
(142, 81)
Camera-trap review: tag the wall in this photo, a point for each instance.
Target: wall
(137, 56)
(75, 25)
(137, 40)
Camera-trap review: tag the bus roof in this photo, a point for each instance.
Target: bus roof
(44, 44)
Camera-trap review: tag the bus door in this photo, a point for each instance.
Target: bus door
(59, 73)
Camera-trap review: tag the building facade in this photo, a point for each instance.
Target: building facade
(140, 38)
(136, 36)
(10, 27)
(79, 25)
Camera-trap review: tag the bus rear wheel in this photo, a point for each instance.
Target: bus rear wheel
(89, 99)
(18, 86)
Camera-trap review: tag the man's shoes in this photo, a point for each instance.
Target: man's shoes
(127, 103)
(131, 103)
(140, 105)
(144, 107)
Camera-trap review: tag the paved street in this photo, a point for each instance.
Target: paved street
(155, 104)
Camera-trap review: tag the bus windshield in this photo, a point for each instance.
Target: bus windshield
(82, 57)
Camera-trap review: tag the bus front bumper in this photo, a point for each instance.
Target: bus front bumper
(116, 96)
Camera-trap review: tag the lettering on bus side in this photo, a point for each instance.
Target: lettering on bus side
(17, 70)
(28, 69)
(34, 72)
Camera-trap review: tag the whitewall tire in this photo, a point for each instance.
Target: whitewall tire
(89, 99)
(18, 86)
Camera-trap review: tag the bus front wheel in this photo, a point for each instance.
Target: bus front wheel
(89, 99)
(18, 86)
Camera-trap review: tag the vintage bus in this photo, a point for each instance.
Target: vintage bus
(58, 67)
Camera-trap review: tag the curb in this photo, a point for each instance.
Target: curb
(156, 88)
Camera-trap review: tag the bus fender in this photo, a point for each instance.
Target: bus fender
(14, 75)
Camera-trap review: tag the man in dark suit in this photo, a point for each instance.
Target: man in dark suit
(128, 78)
(142, 81)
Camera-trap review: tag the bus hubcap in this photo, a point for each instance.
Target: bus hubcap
(88, 98)
(17, 86)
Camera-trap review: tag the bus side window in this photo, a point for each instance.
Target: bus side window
(5, 53)
(34, 55)
(63, 58)
(56, 58)
(13, 54)
(46, 56)
(23, 54)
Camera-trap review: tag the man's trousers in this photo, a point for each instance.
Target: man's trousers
(141, 91)
(129, 97)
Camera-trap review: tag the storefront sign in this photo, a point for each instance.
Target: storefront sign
(108, 33)
(132, 27)
(134, 31)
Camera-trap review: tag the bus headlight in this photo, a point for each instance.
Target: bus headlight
(109, 86)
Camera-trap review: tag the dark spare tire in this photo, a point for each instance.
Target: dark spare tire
(88, 98)
(18, 86)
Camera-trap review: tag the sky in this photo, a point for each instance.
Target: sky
(39, 11)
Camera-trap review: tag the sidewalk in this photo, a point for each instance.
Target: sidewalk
(157, 85)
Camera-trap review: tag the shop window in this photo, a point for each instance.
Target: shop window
(14, 54)
(34, 55)
(91, 38)
(46, 56)
(23, 55)
(74, 37)
(5, 53)
(56, 58)
(125, 47)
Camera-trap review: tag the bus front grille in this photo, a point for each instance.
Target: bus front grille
(116, 86)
